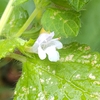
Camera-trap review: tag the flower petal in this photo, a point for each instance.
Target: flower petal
(35, 47)
(41, 53)
(52, 35)
(44, 37)
(53, 55)
(56, 43)
(46, 45)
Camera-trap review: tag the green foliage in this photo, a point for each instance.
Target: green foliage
(63, 23)
(71, 4)
(74, 77)
(8, 46)
(78, 4)
(32, 33)
(43, 2)
(16, 20)
(18, 2)
(62, 3)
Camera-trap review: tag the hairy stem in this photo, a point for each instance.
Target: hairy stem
(17, 57)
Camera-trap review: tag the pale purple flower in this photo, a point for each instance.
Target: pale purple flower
(46, 45)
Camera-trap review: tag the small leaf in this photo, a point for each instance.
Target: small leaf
(78, 4)
(75, 77)
(63, 23)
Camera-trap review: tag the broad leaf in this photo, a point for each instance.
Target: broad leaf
(78, 4)
(63, 23)
(74, 77)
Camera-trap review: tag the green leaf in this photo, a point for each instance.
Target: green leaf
(8, 45)
(63, 23)
(15, 22)
(74, 77)
(75, 4)
(32, 33)
(18, 2)
(78, 4)
(61, 3)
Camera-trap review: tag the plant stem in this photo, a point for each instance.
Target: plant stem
(24, 27)
(6, 15)
(17, 57)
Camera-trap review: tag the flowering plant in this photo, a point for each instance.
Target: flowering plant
(64, 69)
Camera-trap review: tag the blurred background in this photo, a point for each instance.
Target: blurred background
(90, 26)
(10, 69)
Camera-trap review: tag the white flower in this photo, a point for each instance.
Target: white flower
(46, 45)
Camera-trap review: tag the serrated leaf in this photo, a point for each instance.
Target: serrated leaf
(18, 2)
(15, 22)
(63, 23)
(9, 45)
(78, 4)
(74, 77)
